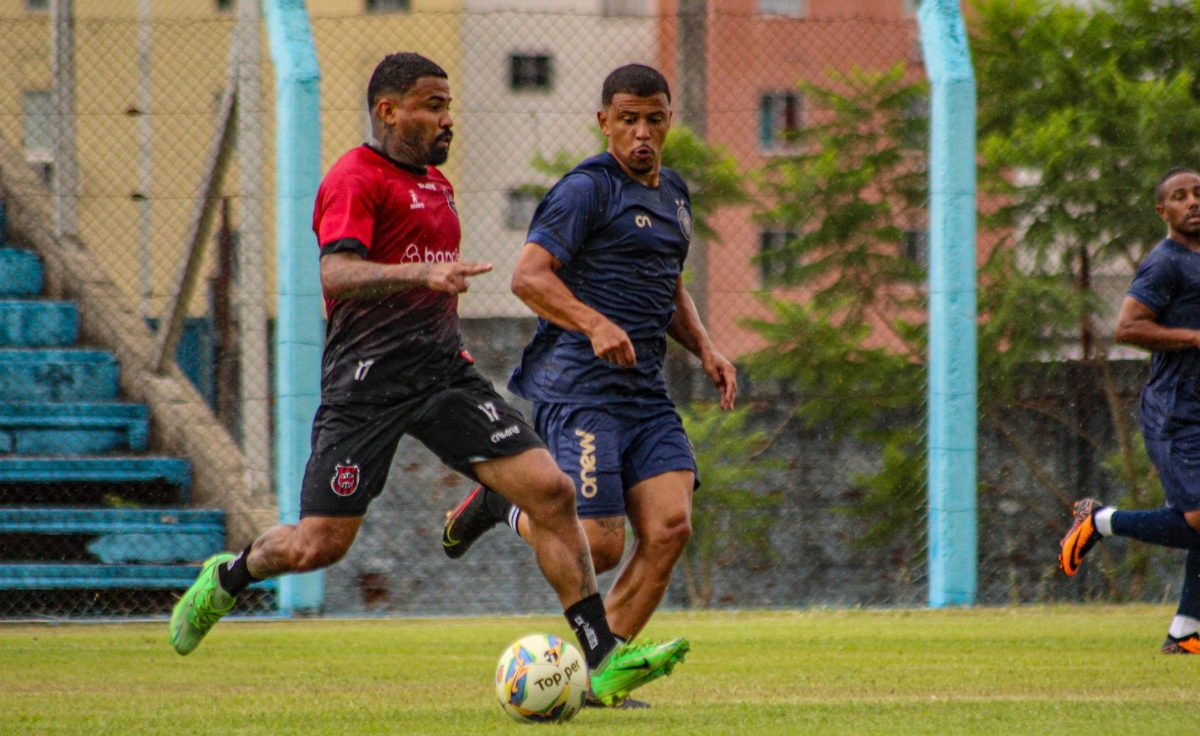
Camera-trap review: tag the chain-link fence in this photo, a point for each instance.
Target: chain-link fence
(802, 129)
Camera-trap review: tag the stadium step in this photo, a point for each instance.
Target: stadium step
(84, 428)
(75, 483)
(57, 576)
(46, 478)
(21, 272)
(113, 535)
(39, 374)
(42, 323)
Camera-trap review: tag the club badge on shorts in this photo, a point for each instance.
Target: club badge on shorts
(345, 480)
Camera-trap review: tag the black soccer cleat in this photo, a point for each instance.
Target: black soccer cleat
(466, 523)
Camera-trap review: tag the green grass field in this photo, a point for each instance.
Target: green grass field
(1057, 670)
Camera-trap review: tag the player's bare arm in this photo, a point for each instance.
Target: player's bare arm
(1137, 325)
(349, 276)
(535, 281)
(687, 330)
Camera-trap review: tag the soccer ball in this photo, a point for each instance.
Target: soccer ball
(541, 678)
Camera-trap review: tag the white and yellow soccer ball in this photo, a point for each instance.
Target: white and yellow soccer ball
(541, 678)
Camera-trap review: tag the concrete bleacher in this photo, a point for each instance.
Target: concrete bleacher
(83, 506)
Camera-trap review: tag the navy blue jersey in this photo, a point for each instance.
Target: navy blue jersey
(1168, 282)
(622, 245)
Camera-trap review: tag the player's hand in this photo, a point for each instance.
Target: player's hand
(452, 277)
(611, 344)
(723, 375)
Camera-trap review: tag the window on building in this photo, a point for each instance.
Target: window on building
(771, 242)
(37, 125)
(916, 247)
(37, 131)
(786, 8)
(618, 8)
(780, 118)
(521, 204)
(37, 5)
(530, 71)
(388, 6)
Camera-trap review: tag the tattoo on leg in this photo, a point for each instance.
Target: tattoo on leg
(587, 582)
(612, 526)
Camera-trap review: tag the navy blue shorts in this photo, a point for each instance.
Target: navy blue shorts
(1178, 463)
(608, 449)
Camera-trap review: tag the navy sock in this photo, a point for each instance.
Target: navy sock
(235, 576)
(1164, 527)
(1189, 596)
(590, 625)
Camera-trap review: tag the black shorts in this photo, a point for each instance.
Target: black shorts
(463, 422)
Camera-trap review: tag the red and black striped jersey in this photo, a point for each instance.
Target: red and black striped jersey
(385, 211)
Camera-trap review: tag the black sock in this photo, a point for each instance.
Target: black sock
(590, 625)
(235, 576)
(498, 506)
(1189, 594)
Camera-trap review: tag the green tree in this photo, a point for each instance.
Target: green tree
(1081, 109)
(733, 516)
(848, 330)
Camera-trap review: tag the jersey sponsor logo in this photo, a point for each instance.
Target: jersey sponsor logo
(417, 204)
(643, 220)
(414, 254)
(684, 217)
(427, 185)
(505, 433)
(345, 479)
(364, 366)
(588, 487)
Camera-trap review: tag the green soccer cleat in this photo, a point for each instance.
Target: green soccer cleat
(628, 704)
(195, 613)
(632, 665)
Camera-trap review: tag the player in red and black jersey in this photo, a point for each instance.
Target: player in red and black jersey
(394, 364)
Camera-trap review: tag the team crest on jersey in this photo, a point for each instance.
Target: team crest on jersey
(345, 479)
(684, 217)
(450, 198)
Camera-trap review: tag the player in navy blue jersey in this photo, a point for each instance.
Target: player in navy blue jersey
(1161, 313)
(394, 364)
(603, 270)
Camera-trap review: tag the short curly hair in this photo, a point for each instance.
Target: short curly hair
(1160, 192)
(397, 74)
(634, 79)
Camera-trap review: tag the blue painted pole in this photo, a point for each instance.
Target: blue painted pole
(953, 362)
(299, 332)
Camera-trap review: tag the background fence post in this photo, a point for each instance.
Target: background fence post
(253, 383)
(299, 328)
(953, 363)
(66, 158)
